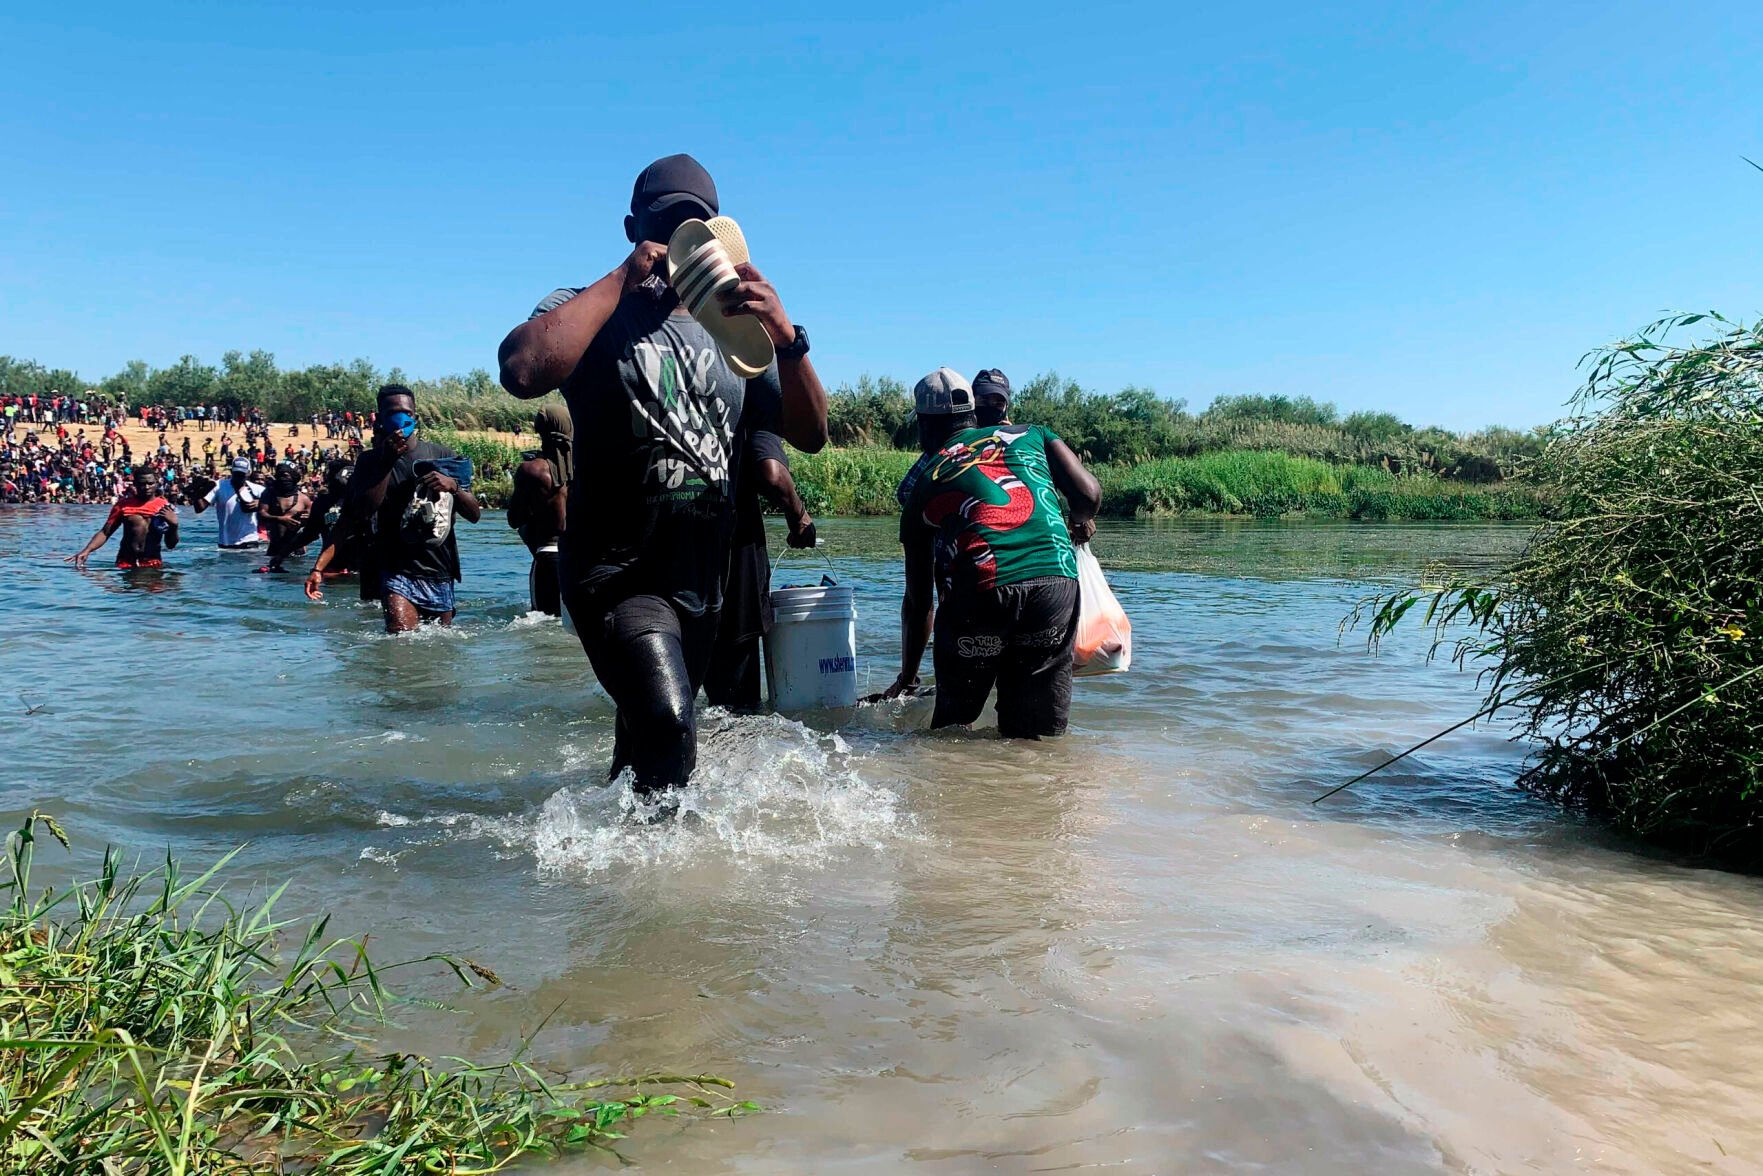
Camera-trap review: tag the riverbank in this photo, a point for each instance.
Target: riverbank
(858, 482)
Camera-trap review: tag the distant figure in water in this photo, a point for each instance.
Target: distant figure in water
(147, 522)
(538, 506)
(982, 520)
(285, 506)
(321, 523)
(235, 502)
(402, 501)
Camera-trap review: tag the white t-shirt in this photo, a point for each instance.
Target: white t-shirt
(236, 524)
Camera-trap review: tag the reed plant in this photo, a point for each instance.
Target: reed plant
(151, 1026)
(1627, 639)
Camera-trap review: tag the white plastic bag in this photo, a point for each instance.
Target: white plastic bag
(1104, 635)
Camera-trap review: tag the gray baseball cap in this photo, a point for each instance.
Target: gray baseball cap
(944, 392)
(241, 465)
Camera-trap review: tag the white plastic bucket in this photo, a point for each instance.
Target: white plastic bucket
(811, 651)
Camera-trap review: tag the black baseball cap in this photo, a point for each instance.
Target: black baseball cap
(670, 180)
(992, 382)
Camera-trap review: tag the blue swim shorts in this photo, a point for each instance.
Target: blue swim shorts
(429, 596)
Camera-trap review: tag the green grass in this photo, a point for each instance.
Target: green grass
(153, 1026)
(850, 481)
(860, 481)
(1268, 485)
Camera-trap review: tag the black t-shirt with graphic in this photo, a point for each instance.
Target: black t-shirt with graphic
(386, 551)
(657, 411)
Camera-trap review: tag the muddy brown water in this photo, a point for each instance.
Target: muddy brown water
(1138, 949)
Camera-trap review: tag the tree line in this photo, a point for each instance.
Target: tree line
(1126, 427)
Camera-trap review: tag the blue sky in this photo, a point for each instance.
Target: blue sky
(1434, 209)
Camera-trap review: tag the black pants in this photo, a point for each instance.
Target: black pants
(733, 679)
(1018, 637)
(541, 584)
(651, 658)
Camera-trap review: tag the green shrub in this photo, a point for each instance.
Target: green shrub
(850, 481)
(1627, 639)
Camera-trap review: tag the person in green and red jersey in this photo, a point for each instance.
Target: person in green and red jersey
(983, 520)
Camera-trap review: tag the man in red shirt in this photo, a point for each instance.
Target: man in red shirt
(146, 519)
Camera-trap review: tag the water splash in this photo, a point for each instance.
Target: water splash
(768, 790)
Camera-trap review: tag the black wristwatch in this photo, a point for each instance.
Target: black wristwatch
(796, 348)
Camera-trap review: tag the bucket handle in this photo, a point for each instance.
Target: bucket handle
(820, 549)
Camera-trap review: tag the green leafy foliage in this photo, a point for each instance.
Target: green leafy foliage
(1627, 639)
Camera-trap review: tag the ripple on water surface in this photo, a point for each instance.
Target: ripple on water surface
(1138, 948)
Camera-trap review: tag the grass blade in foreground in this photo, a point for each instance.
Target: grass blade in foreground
(146, 1027)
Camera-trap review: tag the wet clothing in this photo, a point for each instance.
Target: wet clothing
(651, 659)
(989, 496)
(1017, 637)
(129, 565)
(390, 549)
(1006, 578)
(146, 553)
(235, 526)
(657, 411)
(733, 679)
(543, 594)
(430, 596)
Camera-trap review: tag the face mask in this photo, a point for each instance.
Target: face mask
(399, 422)
(989, 417)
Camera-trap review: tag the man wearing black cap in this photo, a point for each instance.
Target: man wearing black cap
(657, 411)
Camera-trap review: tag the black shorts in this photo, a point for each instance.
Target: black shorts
(543, 592)
(1017, 637)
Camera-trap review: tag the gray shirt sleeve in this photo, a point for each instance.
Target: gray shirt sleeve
(555, 299)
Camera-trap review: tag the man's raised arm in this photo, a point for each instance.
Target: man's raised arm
(538, 355)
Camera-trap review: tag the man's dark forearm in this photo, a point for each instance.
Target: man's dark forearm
(915, 625)
(779, 489)
(466, 503)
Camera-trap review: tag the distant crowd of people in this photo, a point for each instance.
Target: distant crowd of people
(67, 450)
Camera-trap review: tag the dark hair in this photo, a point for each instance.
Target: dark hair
(392, 391)
(934, 430)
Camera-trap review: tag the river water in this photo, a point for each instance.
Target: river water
(1138, 949)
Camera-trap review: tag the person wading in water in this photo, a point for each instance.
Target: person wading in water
(322, 523)
(538, 506)
(285, 507)
(147, 521)
(395, 503)
(659, 410)
(733, 677)
(983, 522)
